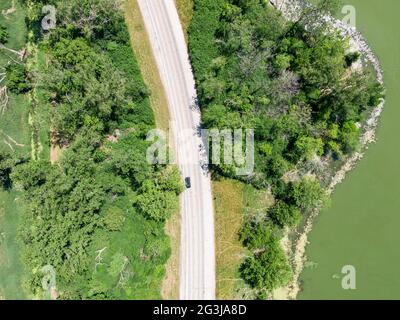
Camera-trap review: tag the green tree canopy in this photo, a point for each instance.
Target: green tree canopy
(284, 214)
(267, 270)
(307, 194)
(3, 34)
(16, 78)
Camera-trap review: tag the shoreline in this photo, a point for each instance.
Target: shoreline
(290, 9)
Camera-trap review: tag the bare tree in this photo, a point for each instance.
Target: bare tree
(99, 259)
(124, 274)
(3, 94)
(89, 16)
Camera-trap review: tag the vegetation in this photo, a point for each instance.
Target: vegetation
(16, 80)
(14, 149)
(3, 34)
(158, 101)
(97, 216)
(366, 209)
(267, 269)
(295, 86)
(284, 214)
(11, 267)
(185, 11)
(228, 202)
(148, 65)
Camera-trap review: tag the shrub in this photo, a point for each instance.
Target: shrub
(350, 58)
(3, 34)
(307, 194)
(17, 78)
(256, 236)
(267, 270)
(284, 214)
(114, 219)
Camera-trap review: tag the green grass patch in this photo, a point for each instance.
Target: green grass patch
(11, 268)
(15, 24)
(42, 114)
(15, 136)
(228, 202)
(234, 202)
(145, 60)
(14, 127)
(185, 11)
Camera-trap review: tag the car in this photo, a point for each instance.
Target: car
(188, 183)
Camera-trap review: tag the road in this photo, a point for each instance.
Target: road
(197, 254)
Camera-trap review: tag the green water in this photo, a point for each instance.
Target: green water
(362, 227)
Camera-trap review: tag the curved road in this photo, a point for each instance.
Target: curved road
(197, 266)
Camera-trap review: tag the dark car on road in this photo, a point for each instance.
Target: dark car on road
(188, 184)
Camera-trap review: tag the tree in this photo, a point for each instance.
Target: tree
(349, 137)
(87, 88)
(169, 179)
(307, 147)
(284, 214)
(312, 14)
(267, 270)
(117, 265)
(81, 215)
(114, 219)
(154, 203)
(91, 18)
(351, 58)
(128, 160)
(16, 78)
(7, 163)
(256, 236)
(292, 83)
(3, 34)
(307, 194)
(30, 175)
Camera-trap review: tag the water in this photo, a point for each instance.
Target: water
(362, 227)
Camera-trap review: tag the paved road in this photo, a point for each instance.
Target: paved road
(197, 266)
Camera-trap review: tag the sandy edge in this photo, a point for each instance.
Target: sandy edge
(290, 8)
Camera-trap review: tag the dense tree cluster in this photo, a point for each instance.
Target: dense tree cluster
(3, 34)
(296, 87)
(97, 216)
(8, 161)
(81, 206)
(16, 79)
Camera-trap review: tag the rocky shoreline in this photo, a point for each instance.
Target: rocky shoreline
(290, 10)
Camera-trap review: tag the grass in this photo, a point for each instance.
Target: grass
(185, 11)
(159, 103)
(11, 268)
(15, 136)
(42, 113)
(15, 23)
(14, 129)
(170, 285)
(234, 201)
(148, 66)
(229, 203)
